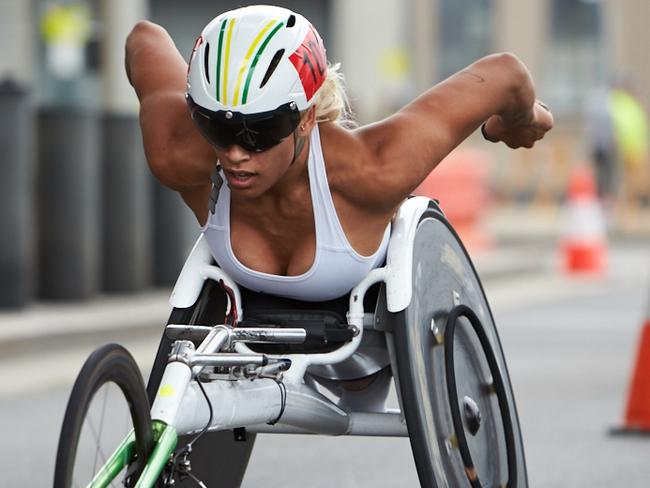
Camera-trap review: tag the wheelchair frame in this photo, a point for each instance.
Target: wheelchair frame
(265, 393)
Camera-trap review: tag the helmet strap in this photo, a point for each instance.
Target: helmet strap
(298, 145)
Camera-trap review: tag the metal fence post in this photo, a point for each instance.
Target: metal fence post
(17, 247)
(128, 252)
(69, 203)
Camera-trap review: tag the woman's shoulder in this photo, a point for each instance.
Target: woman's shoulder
(352, 170)
(343, 152)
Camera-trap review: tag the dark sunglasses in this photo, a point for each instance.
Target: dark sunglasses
(254, 132)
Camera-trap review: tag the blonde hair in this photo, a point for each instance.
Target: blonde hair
(331, 100)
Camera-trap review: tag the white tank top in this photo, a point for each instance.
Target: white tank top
(337, 267)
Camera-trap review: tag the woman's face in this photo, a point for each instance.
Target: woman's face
(251, 174)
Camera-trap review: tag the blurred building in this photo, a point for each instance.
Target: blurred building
(80, 213)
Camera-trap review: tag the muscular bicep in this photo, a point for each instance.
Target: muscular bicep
(177, 154)
(408, 145)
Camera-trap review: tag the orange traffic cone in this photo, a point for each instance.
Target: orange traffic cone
(584, 247)
(637, 413)
(461, 184)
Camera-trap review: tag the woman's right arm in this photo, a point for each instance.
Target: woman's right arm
(398, 153)
(176, 152)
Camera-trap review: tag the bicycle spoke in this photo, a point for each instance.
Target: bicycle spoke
(101, 430)
(112, 369)
(98, 445)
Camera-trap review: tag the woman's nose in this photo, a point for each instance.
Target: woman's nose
(236, 153)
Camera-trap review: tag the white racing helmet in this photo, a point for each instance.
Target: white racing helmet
(251, 73)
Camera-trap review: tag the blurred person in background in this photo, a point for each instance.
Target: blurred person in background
(602, 145)
(305, 212)
(632, 133)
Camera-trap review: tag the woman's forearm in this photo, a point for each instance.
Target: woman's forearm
(512, 85)
(522, 93)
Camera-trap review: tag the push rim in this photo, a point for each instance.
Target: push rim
(472, 412)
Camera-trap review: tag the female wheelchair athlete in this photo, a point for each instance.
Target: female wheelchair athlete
(216, 383)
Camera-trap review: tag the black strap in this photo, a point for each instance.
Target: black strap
(217, 182)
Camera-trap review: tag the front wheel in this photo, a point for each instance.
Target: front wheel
(108, 404)
(454, 384)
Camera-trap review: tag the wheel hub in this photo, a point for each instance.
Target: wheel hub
(472, 415)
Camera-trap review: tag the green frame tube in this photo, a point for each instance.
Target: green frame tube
(165, 438)
(120, 458)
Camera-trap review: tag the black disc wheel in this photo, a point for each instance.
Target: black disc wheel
(107, 402)
(454, 384)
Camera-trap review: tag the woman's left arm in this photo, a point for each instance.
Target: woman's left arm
(403, 149)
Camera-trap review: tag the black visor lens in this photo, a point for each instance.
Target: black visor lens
(256, 132)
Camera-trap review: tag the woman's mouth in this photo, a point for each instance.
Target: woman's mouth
(239, 179)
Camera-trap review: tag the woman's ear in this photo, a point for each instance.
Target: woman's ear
(308, 121)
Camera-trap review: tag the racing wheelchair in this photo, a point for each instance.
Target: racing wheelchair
(217, 382)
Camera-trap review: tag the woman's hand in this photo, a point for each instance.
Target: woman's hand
(523, 131)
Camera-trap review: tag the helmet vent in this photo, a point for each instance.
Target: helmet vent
(272, 65)
(206, 59)
(291, 21)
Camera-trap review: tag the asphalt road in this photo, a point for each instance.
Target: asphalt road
(570, 344)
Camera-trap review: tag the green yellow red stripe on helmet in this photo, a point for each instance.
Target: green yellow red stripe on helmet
(256, 58)
(227, 61)
(221, 31)
(247, 59)
(248, 63)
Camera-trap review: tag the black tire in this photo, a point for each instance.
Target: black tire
(454, 384)
(110, 369)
